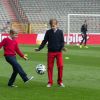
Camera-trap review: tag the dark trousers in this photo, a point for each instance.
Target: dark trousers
(17, 69)
(84, 36)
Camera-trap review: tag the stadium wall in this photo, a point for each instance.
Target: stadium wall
(33, 39)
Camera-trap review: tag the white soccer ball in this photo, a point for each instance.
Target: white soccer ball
(40, 69)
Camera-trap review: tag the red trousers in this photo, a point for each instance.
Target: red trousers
(59, 61)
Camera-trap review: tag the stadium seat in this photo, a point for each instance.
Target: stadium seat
(37, 11)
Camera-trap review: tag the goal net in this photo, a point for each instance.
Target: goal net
(75, 21)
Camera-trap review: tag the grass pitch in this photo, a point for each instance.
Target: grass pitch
(81, 76)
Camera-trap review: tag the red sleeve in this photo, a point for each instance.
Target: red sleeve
(2, 43)
(18, 51)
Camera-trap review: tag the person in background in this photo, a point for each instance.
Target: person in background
(84, 35)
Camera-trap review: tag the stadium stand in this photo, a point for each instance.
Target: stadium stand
(3, 16)
(40, 11)
(36, 13)
(7, 16)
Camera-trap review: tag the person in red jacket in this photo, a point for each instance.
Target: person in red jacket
(55, 39)
(10, 47)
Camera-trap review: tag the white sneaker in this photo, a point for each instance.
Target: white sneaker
(49, 85)
(29, 79)
(13, 86)
(61, 85)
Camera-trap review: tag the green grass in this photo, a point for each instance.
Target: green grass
(81, 76)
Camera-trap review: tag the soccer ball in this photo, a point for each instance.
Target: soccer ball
(40, 69)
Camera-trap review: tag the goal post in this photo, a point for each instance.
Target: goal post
(75, 22)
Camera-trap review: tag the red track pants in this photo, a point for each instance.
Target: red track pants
(59, 61)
